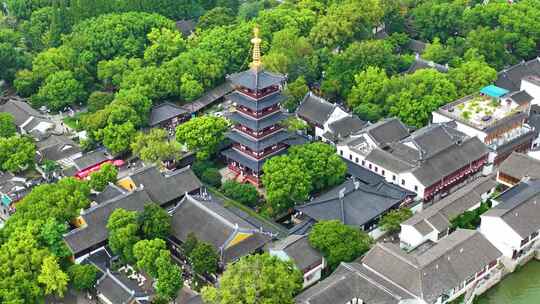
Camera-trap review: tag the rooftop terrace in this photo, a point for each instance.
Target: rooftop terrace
(481, 110)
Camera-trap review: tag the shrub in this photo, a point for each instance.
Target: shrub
(246, 194)
(212, 177)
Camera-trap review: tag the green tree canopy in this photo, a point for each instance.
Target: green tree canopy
(204, 258)
(244, 193)
(147, 253)
(154, 222)
(369, 87)
(321, 162)
(83, 276)
(472, 75)
(295, 92)
(202, 134)
(52, 277)
(108, 173)
(17, 153)
(218, 16)
(339, 242)
(392, 220)
(286, 181)
(7, 125)
(256, 279)
(165, 44)
(117, 138)
(60, 89)
(169, 279)
(123, 233)
(154, 147)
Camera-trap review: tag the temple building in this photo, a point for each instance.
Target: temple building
(256, 134)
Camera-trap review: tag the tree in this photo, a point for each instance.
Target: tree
(154, 222)
(492, 44)
(212, 177)
(358, 56)
(21, 258)
(7, 125)
(438, 18)
(202, 134)
(391, 221)
(218, 16)
(190, 88)
(61, 201)
(117, 138)
(52, 236)
(60, 89)
(344, 21)
(165, 44)
(147, 253)
(108, 173)
(17, 153)
(169, 279)
(369, 87)
(99, 100)
(295, 92)
(339, 242)
(154, 147)
(256, 279)
(123, 233)
(472, 75)
(83, 276)
(437, 52)
(12, 57)
(243, 193)
(286, 181)
(369, 111)
(190, 243)
(416, 96)
(204, 258)
(54, 279)
(322, 163)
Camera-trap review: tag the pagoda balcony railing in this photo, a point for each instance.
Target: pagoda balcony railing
(258, 156)
(259, 94)
(258, 135)
(261, 114)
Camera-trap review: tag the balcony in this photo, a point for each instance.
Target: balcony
(258, 156)
(258, 94)
(260, 134)
(260, 114)
(510, 137)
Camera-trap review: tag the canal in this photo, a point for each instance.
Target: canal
(520, 287)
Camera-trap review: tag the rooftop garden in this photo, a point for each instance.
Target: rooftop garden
(482, 110)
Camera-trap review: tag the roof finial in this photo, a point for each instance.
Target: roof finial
(256, 65)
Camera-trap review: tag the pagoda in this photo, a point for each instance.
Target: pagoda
(256, 134)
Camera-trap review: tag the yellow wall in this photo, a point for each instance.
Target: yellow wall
(127, 183)
(239, 237)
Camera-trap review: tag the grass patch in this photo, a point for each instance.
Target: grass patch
(74, 121)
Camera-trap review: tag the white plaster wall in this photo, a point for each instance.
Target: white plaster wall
(532, 89)
(500, 234)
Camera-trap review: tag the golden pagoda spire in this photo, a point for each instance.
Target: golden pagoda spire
(256, 64)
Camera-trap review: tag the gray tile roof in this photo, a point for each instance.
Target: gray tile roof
(255, 165)
(164, 112)
(109, 287)
(362, 174)
(299, 250)
(208, 98)
(90, 159)
(519, 165)
(95, 230)
(256, 105)
(416, 46)
(186, 27)
(259, 145)
(20, 110)
(420, 64)
(165, 187)
(430, 273)
(349, 281)
(450, 160)
(342, 128)
(314, 109)
(433, 138)
(111, 191)
(439, 215)
(258, 124)
(387, 130)
(519, 207)
(521, 97)
(256, 80)
(510, 78)
(390, 161)
(214, 224)
(57, 147)
(360, 204)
